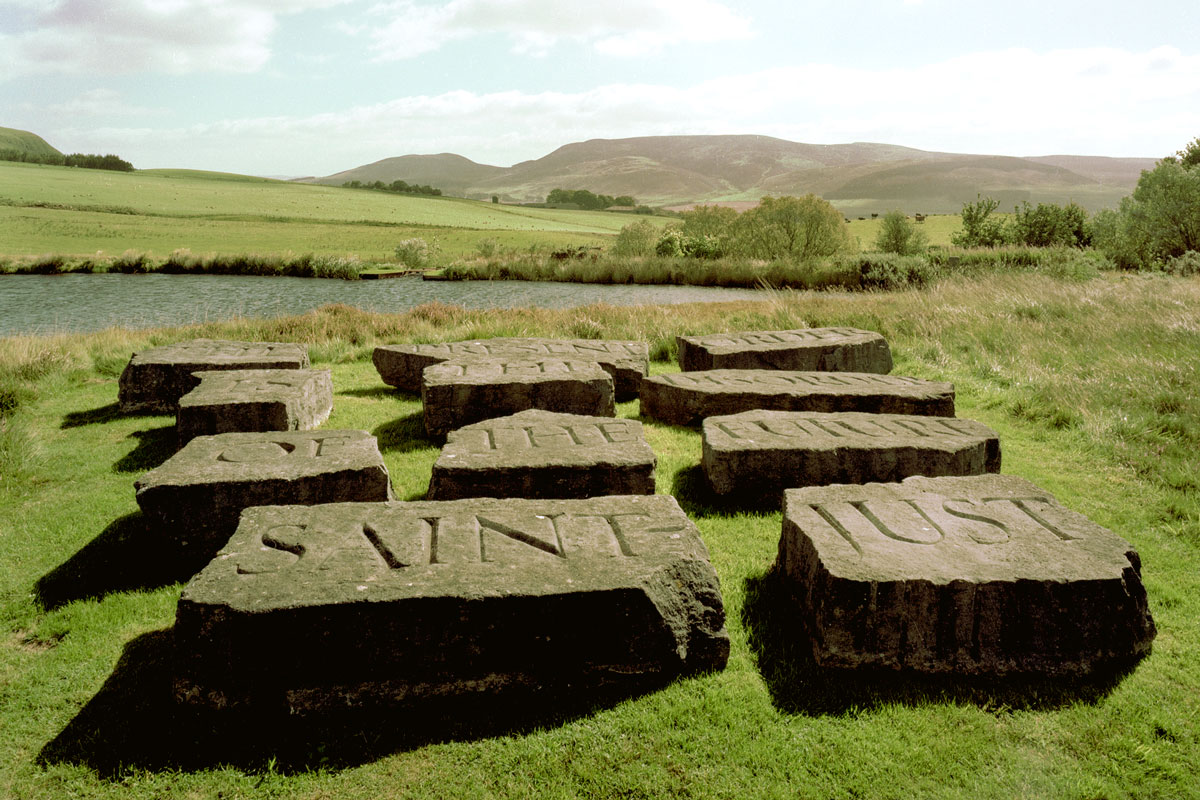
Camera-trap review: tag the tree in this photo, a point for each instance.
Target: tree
(979, 227)
(797, 228)
(1189, 156)
(1049, 225)
(636, 239)
(898, 235)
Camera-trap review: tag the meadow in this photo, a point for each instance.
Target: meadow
(1090, 384)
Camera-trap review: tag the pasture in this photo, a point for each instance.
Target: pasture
(1090, 385)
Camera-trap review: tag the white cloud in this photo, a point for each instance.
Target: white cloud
(126, 36)
(1017, 102)
(616, 27)
(99, 103)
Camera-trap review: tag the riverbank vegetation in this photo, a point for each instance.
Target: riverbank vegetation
(1089, 384)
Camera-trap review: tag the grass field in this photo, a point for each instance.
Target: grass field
(1090, 384)
(79, 212)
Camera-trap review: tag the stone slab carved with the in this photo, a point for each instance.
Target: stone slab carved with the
(458, 393)
(763, 452)
(806, 350)
(155, 379)
(194, 498)
(255, 400)
(543, 454)
(984, 574)
(686, 398)
(314, 608)
(401, 365)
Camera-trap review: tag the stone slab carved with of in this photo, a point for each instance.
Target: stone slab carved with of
(760, 453)
(368, 605)
(195, 497)
(804, 350)
(543, 454)
(255, 400)
(401, 365)
(686, 398)
(155, 379)
(978, 575)
(458, 393)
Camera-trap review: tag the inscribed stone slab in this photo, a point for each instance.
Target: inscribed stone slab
(457, 393)
(763, 452)
(255, 400)
(314, 608)
(685, 398)
(401, 365)
(984, 574)
(155, 379)
(197, 495)
(807, 350)
(543, 454)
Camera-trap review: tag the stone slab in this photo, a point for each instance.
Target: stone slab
(457, 393)
(315, 608)
(541, 454)
(685, 398)
(764, 452)
(155, 379)
(401, 365)
(255, 400)
(984, 574)
(804, 350)
(195, 497)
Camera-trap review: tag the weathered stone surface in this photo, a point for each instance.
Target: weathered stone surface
(196, 496)
(401, 365)
(763, 452)
(457, 393)
(806, 350)
(155, 379)
(541, 454)
(985, 574)
(685, 398)
(255, 400)
(315, 608)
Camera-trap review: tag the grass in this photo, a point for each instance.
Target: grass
(1090, 385)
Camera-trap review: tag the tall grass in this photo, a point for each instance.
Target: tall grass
(184, 262)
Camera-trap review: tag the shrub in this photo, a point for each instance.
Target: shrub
(979, 227)
(890, 270)
(898, 235)
(416, 252)
(795, 228)
(488, 248)
(636, 239)
(670, 243)
(1184, 265)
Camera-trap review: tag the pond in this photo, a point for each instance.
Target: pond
(44, 304)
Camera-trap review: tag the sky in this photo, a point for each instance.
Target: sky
(312, 87)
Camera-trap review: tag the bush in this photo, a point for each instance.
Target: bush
(670, 243)
(1184, 265)
(898, 235)
(488, 248)
(795, 228)
(415, 253)
(979, 227)
(890, 270)
(636, 239)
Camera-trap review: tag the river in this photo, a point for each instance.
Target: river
(45, 304)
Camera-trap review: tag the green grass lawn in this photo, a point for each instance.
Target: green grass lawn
(1091, 386)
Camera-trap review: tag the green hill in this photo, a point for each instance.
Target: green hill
(26, 142)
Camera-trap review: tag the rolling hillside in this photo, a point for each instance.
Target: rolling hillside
(26, 142)
(860, 177)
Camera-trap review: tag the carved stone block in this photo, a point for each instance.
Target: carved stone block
(457, 393)
(316, 608)
(764, 452)
(976, 575)
(805, 350)
(685, 398)
(255, 400)
(155, 379)
(543, 454)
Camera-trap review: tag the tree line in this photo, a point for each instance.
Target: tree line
(397, 187)
(85, 160)
(586, 200)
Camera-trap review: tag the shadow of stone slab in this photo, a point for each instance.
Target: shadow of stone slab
(133, 724)
(691, 488)
(381, 392)
(798, 685)
(99, 416)
(404, 435)
(125, 557)
(153, 447)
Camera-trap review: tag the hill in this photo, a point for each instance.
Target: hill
(26, 142)
(859, 177)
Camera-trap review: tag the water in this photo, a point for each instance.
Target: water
(43, 304)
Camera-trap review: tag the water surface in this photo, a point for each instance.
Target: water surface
(42, 304)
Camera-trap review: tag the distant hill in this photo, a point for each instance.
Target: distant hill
(25, 142)
(859, 177)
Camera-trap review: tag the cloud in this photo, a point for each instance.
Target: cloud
(623, 28)
(128, 36)
(1099, 101)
